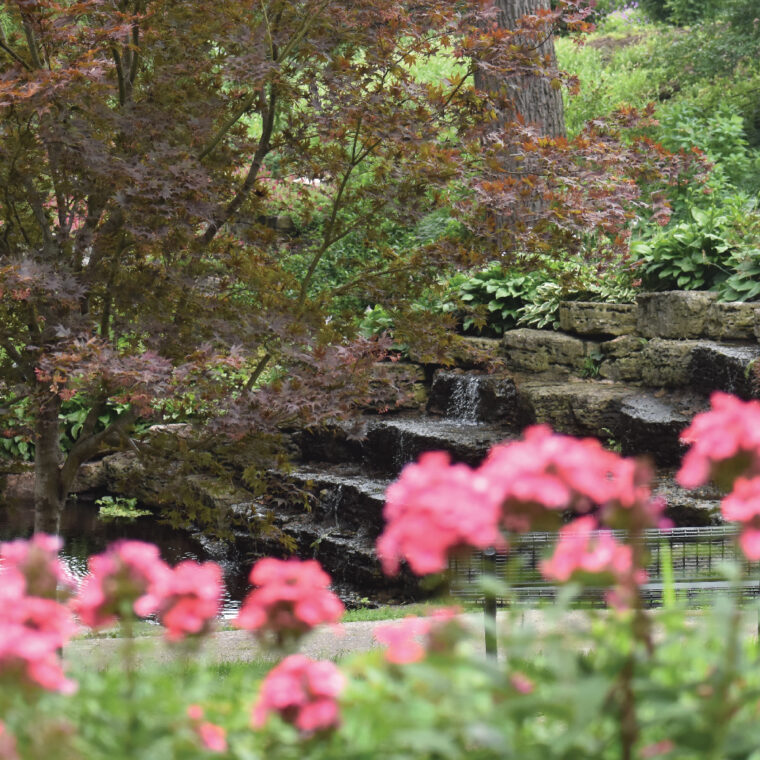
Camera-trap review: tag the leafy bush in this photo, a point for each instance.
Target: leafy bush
(686, 256)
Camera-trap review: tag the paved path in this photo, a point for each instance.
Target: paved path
(326, 642)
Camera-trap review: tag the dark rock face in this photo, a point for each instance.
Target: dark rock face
(391, 443)
(650, 425)
(726, 368)
(470, 398)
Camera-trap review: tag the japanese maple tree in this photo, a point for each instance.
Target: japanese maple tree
(141, 143)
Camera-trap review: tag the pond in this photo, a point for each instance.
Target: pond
(84, 534)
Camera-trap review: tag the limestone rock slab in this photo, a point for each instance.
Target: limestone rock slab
(730, 321)
(541, 350)
(576, 408)
(622, 358)
(666, 363)
(673, 314)
(590, 318)
(718, 367)
(472, 397)
(651, 425)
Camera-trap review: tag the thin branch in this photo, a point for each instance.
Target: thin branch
(253, 172)
(120, 75)
(31, 42)
(258, 369)
(14, 55)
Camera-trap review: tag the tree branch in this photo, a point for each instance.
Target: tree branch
(14, 55)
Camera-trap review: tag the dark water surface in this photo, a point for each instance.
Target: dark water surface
(85, 534)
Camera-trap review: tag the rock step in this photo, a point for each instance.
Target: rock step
(470, 397)
(390, 442)
(345, 500)
(638, 421)
(703, 365)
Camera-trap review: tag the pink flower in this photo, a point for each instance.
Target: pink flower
(212, 737)
(551, 472)
(725, 443)
(657, 749)
(433, 509)
(32, 631)
(187, 599)
(7, 744)
(36, 561)
(117, 581)
(743, 506)
(292, 597)
(521, 683)
(403, 639)
(302, 692)
(584, 553)
(410, 639)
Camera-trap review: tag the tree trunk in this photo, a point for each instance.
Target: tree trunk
(533, 97)
(49, 494)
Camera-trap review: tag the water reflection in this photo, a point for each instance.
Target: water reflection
(85, 534)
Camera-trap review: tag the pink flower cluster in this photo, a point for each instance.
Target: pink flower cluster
(7, 744)
(211, 736)
(290, 598)
(435, 508)
(37, 562)
(131, 578)
(303, 692)
(33, 628)
(410, 639)
(724, 443)
(187, 599)
(118, 583)
(584, 553)
(743, 506)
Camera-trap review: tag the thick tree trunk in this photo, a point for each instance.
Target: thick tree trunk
(533, 97)
(49, 494)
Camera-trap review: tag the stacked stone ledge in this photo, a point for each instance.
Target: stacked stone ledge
(675, 339)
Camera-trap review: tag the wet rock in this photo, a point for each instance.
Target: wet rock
(730, 321)
(471, 397)
(332, 443)
(688, 508)
(724, 368)
(622, 358)
(673, 314)
(542, 350)
(393, 442)
(589, 318)
(666, 363)
(650, 424)
(345, 498)
(577, 408)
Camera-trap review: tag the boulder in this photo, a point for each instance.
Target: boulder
(622, 358)
(473, 397)
(717, 367)
(651, 425)
(584, 407)
(666, 363)
(541, 350)
(589, 318)
(730, 321)
(673, 314)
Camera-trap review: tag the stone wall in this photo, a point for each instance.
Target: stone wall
(673, 339)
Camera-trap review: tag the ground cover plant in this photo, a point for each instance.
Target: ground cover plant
(624, 683)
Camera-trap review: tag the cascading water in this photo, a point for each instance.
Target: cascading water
(465, 399)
